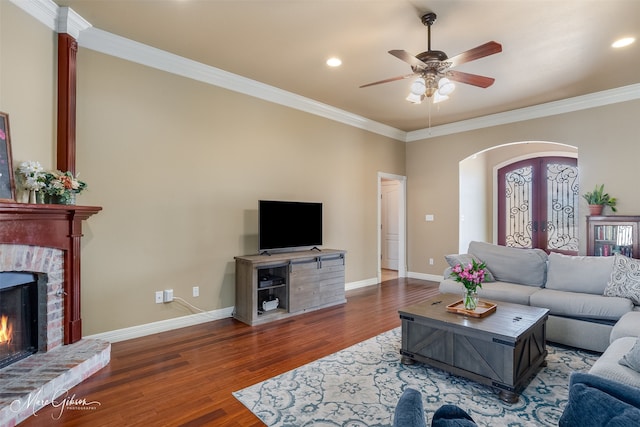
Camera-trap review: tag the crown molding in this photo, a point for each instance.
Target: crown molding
(58, 19)
(71, 23)
(592, 100)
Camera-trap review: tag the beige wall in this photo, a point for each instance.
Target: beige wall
(179, 167)
(28, 84)
(606, 139)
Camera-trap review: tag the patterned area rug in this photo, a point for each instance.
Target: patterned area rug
(360, 386)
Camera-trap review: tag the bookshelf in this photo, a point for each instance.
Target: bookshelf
(608, 235)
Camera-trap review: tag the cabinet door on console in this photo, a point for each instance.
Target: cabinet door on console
(331, 279)
(303, 284)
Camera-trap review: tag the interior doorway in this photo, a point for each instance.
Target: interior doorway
(391, 226)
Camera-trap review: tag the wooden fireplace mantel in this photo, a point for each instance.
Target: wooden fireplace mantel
(55, 226)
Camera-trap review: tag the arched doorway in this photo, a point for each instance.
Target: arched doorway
(478, 189)
(538, 204)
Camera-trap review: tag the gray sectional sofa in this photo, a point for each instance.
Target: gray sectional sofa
(593, 302)
(571, 287)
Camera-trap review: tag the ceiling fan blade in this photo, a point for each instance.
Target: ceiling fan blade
(470, 79)
(408, 58)
(481, 51)
(392, 79)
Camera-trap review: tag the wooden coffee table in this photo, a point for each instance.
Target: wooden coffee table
(504, 349)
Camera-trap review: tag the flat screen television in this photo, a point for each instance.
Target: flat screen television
(289, 225)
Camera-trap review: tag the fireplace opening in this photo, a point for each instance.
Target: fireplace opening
(18, 316)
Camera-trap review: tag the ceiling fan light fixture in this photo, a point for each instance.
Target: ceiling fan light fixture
(438, 97)
(445, 86)
(415, 99)
(418, 86)
(416, 93)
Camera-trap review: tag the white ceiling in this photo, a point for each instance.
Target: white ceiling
(552, 49)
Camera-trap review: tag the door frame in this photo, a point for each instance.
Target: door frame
(499, 166)
(402, 226)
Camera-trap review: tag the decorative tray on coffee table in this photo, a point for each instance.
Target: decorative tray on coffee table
(483, 309)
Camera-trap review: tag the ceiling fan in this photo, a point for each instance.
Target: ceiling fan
(433, 68)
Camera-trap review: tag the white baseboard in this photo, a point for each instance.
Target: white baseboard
(163, 325)
(425, 276)
(361, 284)
(223, 313)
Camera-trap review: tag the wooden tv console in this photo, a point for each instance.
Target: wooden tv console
(300, 281)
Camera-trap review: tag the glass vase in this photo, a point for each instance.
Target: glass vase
(470, 299)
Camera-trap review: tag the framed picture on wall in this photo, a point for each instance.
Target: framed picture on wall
(7, 184)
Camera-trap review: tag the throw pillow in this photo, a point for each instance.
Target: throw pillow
(625, 279)
(632, 358)
(466, 259)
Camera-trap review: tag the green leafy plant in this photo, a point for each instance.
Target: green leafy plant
(599, 197)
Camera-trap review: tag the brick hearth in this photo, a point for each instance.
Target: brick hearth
(45, 377)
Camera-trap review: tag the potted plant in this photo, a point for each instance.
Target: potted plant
(598, 199)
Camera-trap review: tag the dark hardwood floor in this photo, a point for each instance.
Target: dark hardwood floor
(185, 377)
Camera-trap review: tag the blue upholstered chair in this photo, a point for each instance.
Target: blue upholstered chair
(410, 413)
(596, 401)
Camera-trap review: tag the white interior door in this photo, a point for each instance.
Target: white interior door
(390, 192)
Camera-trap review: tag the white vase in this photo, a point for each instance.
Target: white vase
(32, 196)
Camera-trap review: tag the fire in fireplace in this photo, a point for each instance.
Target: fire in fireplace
(18, 316)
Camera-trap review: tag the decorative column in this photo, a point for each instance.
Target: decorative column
(69, 26)
(66, 153)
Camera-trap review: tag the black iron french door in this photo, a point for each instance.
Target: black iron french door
(538, 204)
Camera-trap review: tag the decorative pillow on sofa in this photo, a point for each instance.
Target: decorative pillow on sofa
(588, 274)
(625, 279)
(520, 266)
(466, 259)
(632, 358)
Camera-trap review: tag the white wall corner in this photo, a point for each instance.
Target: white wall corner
(69, 22)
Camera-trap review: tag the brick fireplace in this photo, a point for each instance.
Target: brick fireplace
(45, 240)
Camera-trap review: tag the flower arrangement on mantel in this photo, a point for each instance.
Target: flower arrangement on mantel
(471, 277)
(58, 187)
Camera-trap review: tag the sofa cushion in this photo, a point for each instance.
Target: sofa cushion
(625, 279)
(627, 326)
(632, 358)
(581, 305)
(521, 266)
(466, 259)
(496, 291)
(608, 364)
(588, 274)
(595, 401)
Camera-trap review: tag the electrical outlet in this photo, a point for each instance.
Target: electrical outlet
(159, 297)
(430, 261)
(196, 291)
(168, 295)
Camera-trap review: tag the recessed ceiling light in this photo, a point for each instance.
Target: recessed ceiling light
(623, 42)
(334, 62)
